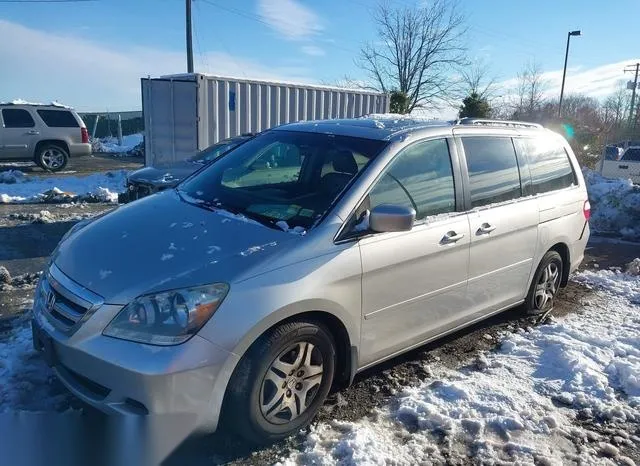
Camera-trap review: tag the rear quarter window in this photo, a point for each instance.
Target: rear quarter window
(58, 118)
(548, 162)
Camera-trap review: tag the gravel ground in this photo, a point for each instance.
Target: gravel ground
(91, 164)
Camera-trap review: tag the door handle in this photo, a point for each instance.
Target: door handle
(451, 237)
(485, 229)
(33, 132)
(624, 167)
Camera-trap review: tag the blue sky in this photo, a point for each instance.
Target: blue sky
(91, 55)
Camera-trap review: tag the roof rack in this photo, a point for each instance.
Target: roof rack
(486, 122)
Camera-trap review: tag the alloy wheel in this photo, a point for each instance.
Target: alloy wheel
(547, 286)
(52, 158)
(291, 383)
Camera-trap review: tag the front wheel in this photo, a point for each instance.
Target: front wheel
(282, 381)
(545, 284)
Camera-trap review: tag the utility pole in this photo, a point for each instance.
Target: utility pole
(632, 120)
(189, 39)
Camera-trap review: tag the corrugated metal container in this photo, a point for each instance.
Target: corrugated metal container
(189, 112)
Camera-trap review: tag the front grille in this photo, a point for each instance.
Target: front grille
(65, 302)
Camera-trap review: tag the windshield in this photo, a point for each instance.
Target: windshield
(282, 176)
(215, 151)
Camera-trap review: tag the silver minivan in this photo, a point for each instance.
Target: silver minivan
(303, 256)
(45, 134)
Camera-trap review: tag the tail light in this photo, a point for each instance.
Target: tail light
(586, 210)
(85, 135)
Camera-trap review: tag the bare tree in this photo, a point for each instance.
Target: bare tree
(416, 51)
(529, 91)
(476, 79)
(616, 106)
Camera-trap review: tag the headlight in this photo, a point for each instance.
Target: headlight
(167, 318)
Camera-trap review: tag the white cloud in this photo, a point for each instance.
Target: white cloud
(312, 50)
(290, 18)
(595, 82)
(44, 66)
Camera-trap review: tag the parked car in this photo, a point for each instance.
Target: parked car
(149, 180)
(46, 134)
(628, 166)
(254, 287)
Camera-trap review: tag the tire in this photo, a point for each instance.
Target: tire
(545, 284)
(51, 157)
(263, 391)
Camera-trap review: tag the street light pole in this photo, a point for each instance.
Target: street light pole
(564, 71)
(189, 40)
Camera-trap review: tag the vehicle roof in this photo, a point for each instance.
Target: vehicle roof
(368, 128)
(385, 127)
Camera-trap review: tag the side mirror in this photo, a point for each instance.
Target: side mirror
(388, 218)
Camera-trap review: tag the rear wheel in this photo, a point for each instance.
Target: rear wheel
(51, 157)
(545, 284)
(282, 381)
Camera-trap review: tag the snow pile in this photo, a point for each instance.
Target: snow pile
(97, 187)
(615, 206)
(110, 144)
(12, 177)
(297, 230)
(23, 282)
(44, 216)
(25, 380)
(545, 397)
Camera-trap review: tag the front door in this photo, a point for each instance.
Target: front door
(503, 224)
(18, 134)
(414, 283)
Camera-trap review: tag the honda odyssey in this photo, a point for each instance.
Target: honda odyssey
(304, 256)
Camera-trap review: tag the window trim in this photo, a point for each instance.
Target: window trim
(342, 236)
(33, 121)
(465, 170)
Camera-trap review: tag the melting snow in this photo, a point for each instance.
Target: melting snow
(97, 187)
(297, 230)
(110, 144)
(166, 257)
(104, 274)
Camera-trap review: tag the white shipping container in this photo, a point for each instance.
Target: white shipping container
(189, 112)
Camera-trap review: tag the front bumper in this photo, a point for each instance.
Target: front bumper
(123, 377)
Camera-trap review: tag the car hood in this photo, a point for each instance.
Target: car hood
(164, 175)
(160, 243)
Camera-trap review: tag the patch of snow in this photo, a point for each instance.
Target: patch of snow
(97, 187)
(12, 177)
(519, 405)
(26, 382)
(53, 103)
(166, 257)
(104, 274)
(213, 249)
(615, 206)
(297, 230)
(254, 249)
(172, 247)
(110, 144)
(187, 224)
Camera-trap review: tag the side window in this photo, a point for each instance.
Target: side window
(58, 118)
(493, 170)
(420, 177)
(632, 155)
(17, 118)
(548, 162)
